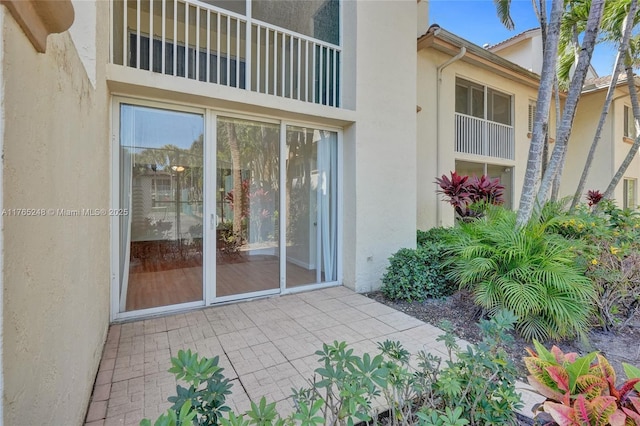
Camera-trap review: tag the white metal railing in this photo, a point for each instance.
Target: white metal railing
(484, 137)
(190, 39)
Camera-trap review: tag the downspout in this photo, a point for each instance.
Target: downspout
(2, 18)
(439, 149)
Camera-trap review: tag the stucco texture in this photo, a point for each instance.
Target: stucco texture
(56, 269)
(611, 150)
(379, 158)
(434, 161)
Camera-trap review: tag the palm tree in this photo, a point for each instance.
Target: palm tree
(617, 69)
(541, 119)
(575, 89)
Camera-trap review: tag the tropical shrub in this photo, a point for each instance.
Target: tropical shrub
(438, 235)
(475, 387)
(615, 272)
(525, 270)
(582, 390)
(470, 195)
(416, 274)
(594, 197)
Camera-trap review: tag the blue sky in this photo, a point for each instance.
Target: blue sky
(477, 21)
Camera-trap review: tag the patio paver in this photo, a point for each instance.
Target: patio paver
(265, 346)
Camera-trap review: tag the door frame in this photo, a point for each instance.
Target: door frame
(210, 116)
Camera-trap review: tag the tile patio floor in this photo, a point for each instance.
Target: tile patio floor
(265, 346)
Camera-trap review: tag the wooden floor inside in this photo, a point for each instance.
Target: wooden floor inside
(161, 284)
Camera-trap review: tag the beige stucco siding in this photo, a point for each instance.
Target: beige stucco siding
(435, 161)
(379, 161)
(582, 133)
(56, 269)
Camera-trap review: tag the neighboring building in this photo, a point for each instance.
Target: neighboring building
(616, 139)
(474, 119)
(525, 49)
(175, 143)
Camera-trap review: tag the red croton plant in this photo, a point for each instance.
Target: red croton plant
(582, 391)
(462, 192)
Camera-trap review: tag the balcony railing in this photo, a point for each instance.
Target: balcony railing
(201, 42)
(483, 137)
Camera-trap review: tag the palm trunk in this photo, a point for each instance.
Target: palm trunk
(555, 188)
(564, 131)
(541, 120)
(633, 94)
(237, 180)
(622, 50)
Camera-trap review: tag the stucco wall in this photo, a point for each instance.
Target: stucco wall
(583, 130)
(379, 167)
(432, 163)
(621, 148)
(56, 269)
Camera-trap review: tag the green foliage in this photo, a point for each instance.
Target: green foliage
(476, 387)
(610, 253)
(207, 389)
(416, 274)
(582, 390)
(527, 270)
(436, 235)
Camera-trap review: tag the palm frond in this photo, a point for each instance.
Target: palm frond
(503, 9)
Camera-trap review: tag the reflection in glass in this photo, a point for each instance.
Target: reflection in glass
(311, 206)
(161, 177)
(247, 234)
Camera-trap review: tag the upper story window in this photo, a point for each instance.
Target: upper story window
(483, 102)
(532, 115)
(629, 123)
(629, 193)
(319, 19)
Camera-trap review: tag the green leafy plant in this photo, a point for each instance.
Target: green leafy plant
(475, 387)
(203, 401)
(436, 235)
(582, 390)
(470, 195)
(527, 270)
(616, 276)
(416, 274)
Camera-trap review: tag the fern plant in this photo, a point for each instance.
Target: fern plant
(525, 270)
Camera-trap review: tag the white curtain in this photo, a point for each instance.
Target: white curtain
(328, 208)
(127, 146)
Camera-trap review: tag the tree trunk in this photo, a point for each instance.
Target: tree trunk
(555, 188)
(622, 51)
(633, 94)
(237, 180)
(541, 120)
(575, 89)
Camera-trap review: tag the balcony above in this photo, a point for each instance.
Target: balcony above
(203, 42)
(484, 137)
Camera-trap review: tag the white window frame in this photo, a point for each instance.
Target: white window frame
(486, 90)
(626, 204)
(209, 244)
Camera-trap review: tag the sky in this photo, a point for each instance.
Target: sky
(477, 21)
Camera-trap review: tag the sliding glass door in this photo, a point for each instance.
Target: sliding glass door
(311, 208)
(247, 204)
(161, 189)
(269, 192)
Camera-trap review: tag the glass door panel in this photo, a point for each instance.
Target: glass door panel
(311, 206)
(161, 183)
(247, 204)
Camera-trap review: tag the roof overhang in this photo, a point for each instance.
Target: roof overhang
(438, 39)
(621, 85)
